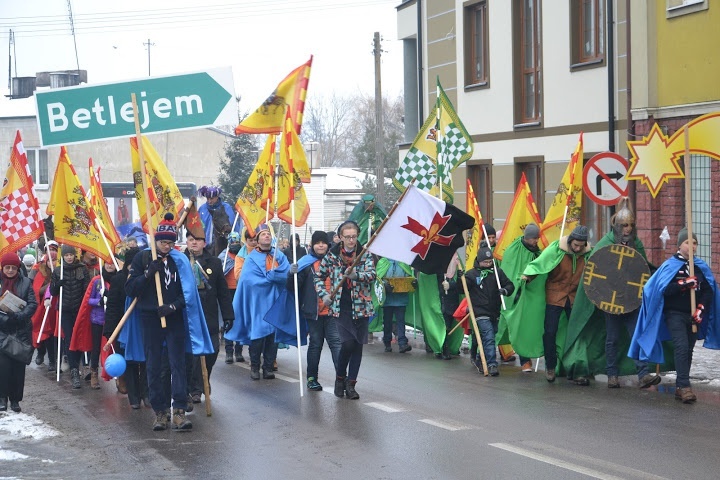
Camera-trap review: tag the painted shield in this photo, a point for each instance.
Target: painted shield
(614, 278)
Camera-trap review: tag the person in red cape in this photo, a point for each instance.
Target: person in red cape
(87, 332)
(40, 275)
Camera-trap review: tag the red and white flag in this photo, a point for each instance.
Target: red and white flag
(423, 231)
(19, 208)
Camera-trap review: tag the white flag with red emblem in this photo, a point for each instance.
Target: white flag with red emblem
(423, 231)
(19, 208)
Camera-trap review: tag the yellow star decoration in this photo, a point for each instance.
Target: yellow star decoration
(652, 162)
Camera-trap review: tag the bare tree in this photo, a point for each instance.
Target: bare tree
(328, 121)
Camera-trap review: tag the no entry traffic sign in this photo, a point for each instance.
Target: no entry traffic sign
(604, 178)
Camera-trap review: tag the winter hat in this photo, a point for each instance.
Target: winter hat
(28, 260)
(319, 236)
(52, 244)
(490, 229)
(682, 236)
(31, 251)
(531, 231)
(68, 250)
(10, 259)
(210, 191)
(166, 229)
(579, 233)
(484, 253)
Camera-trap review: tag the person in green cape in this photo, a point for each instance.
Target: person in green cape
(558, 269)
(590, 348)
(523, 250)
(368, 214)
(395, 302)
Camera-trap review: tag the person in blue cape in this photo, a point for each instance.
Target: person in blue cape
(185, 331)
(665, 314)
(214, 201)
(262, 279)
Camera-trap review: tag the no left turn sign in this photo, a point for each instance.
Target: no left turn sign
(604, 178)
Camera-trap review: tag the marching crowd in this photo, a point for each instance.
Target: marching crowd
(245, 296)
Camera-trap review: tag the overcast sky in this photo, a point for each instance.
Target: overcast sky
(262, 40)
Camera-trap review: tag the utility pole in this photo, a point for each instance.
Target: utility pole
(377, 51)
(148, 45)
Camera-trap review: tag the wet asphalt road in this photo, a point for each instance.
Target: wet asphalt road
(417, 417)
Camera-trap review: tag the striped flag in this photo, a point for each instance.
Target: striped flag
(254, 201)
(97, 202)
(473, 241)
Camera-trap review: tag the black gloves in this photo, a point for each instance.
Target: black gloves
(388, 287)
(165, 310)
(12, 319)
(227, 325)
(155, 266)
(60, 282)
(503, 292)
(414, 283)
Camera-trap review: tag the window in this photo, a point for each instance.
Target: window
(533, 171)
(481, 179)
(528, 73)
(675, 8)
(588, 32)
(476, 45)
(38, 163)
(701, 203)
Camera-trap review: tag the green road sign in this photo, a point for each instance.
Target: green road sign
(93, 112)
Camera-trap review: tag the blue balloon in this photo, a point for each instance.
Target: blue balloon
(115, 365)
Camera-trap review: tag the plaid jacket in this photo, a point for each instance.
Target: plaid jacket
(333, 267)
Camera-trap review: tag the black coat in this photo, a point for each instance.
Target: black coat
(218, 292)
(115, 302)
(484, 294)
(449, 301)
(77, 278)
(23, 331)
(307, 295)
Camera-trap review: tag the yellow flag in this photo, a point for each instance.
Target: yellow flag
(292, 172)
(255, 198)
(569, 195)
(523, 211)
(163, 193)
(19, 209)
(473, 241)
(291, 93)
(74, 219)
(97, 202)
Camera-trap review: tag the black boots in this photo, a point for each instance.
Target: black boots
(268, 374)
(255, 372)
(75, 378)
(3, 404)
(340, 387)
(15, 406)
(350, 392)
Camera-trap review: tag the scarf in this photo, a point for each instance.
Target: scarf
(8, 283)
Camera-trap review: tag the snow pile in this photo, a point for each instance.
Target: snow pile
(21, 425)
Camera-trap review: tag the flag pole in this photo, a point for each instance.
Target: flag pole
(59, 321)
(120, 324)
(689, 217)
(474, 326)
(497, 277)
(371, 240)
(228, 247)
(107, 245)
(186, 211)
(151, 229)
(437, 139)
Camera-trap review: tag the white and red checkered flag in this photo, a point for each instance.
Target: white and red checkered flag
(19, 208)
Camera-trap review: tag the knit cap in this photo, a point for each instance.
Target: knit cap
(166, 229)
(683, 235)
(531, 231)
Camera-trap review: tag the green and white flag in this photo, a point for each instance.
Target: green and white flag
(439, 147)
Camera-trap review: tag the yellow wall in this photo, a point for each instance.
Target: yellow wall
(688, 65)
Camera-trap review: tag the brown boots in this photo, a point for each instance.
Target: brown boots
(179, 421)
(685, 394)
(94, 381)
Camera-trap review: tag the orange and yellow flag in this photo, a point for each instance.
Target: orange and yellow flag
(19, 208)
(523, 211)
(292, 172)
(74, 219)
(473, 241)
(291, 93)
(163, 193)
(569, 195)
(255, 200)
(97, 202)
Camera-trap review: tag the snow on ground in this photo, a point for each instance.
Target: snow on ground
(22, 425)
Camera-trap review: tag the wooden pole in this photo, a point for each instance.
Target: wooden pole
(151, 228)
(688, 215)
(206, 386)
(185, 212)
(474, 325)
(460, 322)
(120, 325)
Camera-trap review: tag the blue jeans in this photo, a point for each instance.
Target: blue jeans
(680, 326)
(488, 329)
(614, 325)
(324, 328)
(399, 314)
(174, 337)
(552, 320)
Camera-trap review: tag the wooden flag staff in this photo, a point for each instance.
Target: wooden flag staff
(151, 228)
(688, 215)
(475, 327)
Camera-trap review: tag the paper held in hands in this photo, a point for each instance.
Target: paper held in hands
(11, 303)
